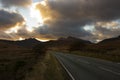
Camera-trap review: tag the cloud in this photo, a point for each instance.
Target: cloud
(10, 19)
(19, 3)
(105, 30)
(58, 26)
(68, 17)
(90, 9)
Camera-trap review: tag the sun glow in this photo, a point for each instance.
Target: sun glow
(43, 3)
(36, 14)
(20, 38)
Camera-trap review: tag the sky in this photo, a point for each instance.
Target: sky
(92, 20)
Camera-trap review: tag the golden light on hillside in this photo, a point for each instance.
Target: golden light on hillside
(42, 40)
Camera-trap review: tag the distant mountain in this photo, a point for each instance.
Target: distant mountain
(110, 44)
(111, 40)
(73, 44)
(23, 43)
(67, 43)
(73, 39)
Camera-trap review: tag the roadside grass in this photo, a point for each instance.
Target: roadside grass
(54, 70)
(37, 72)
(108, 55)
(15, 63)
(47, 69)
(25, 64)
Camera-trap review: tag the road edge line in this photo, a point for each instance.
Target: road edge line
(66, 69)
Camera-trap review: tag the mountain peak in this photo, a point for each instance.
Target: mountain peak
(30, 39)
(68, 38)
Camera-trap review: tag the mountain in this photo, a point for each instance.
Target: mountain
(61, 43)
(111, 40)
(31, 42)
(73, 39)
(73, 44)
(67, 43)
(110, 44)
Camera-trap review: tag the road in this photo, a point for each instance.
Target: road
(87, 68)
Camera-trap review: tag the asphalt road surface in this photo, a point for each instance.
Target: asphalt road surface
(87, 68)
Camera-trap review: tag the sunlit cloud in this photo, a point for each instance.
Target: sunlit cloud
(44, 3)
(89, 28)
(30, 29)
(20, 38)
(109, 25)
(14, 29)
(35, 13)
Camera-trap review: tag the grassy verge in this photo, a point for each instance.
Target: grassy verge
(47, 69)
(111, 56)
(14, 64)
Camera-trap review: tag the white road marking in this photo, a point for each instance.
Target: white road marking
(109, 70)
(66, 69)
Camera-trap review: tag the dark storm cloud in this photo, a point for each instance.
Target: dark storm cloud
(62, 31)
(10, 19)
(21, 3)
(90, 9)
(68, 17)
